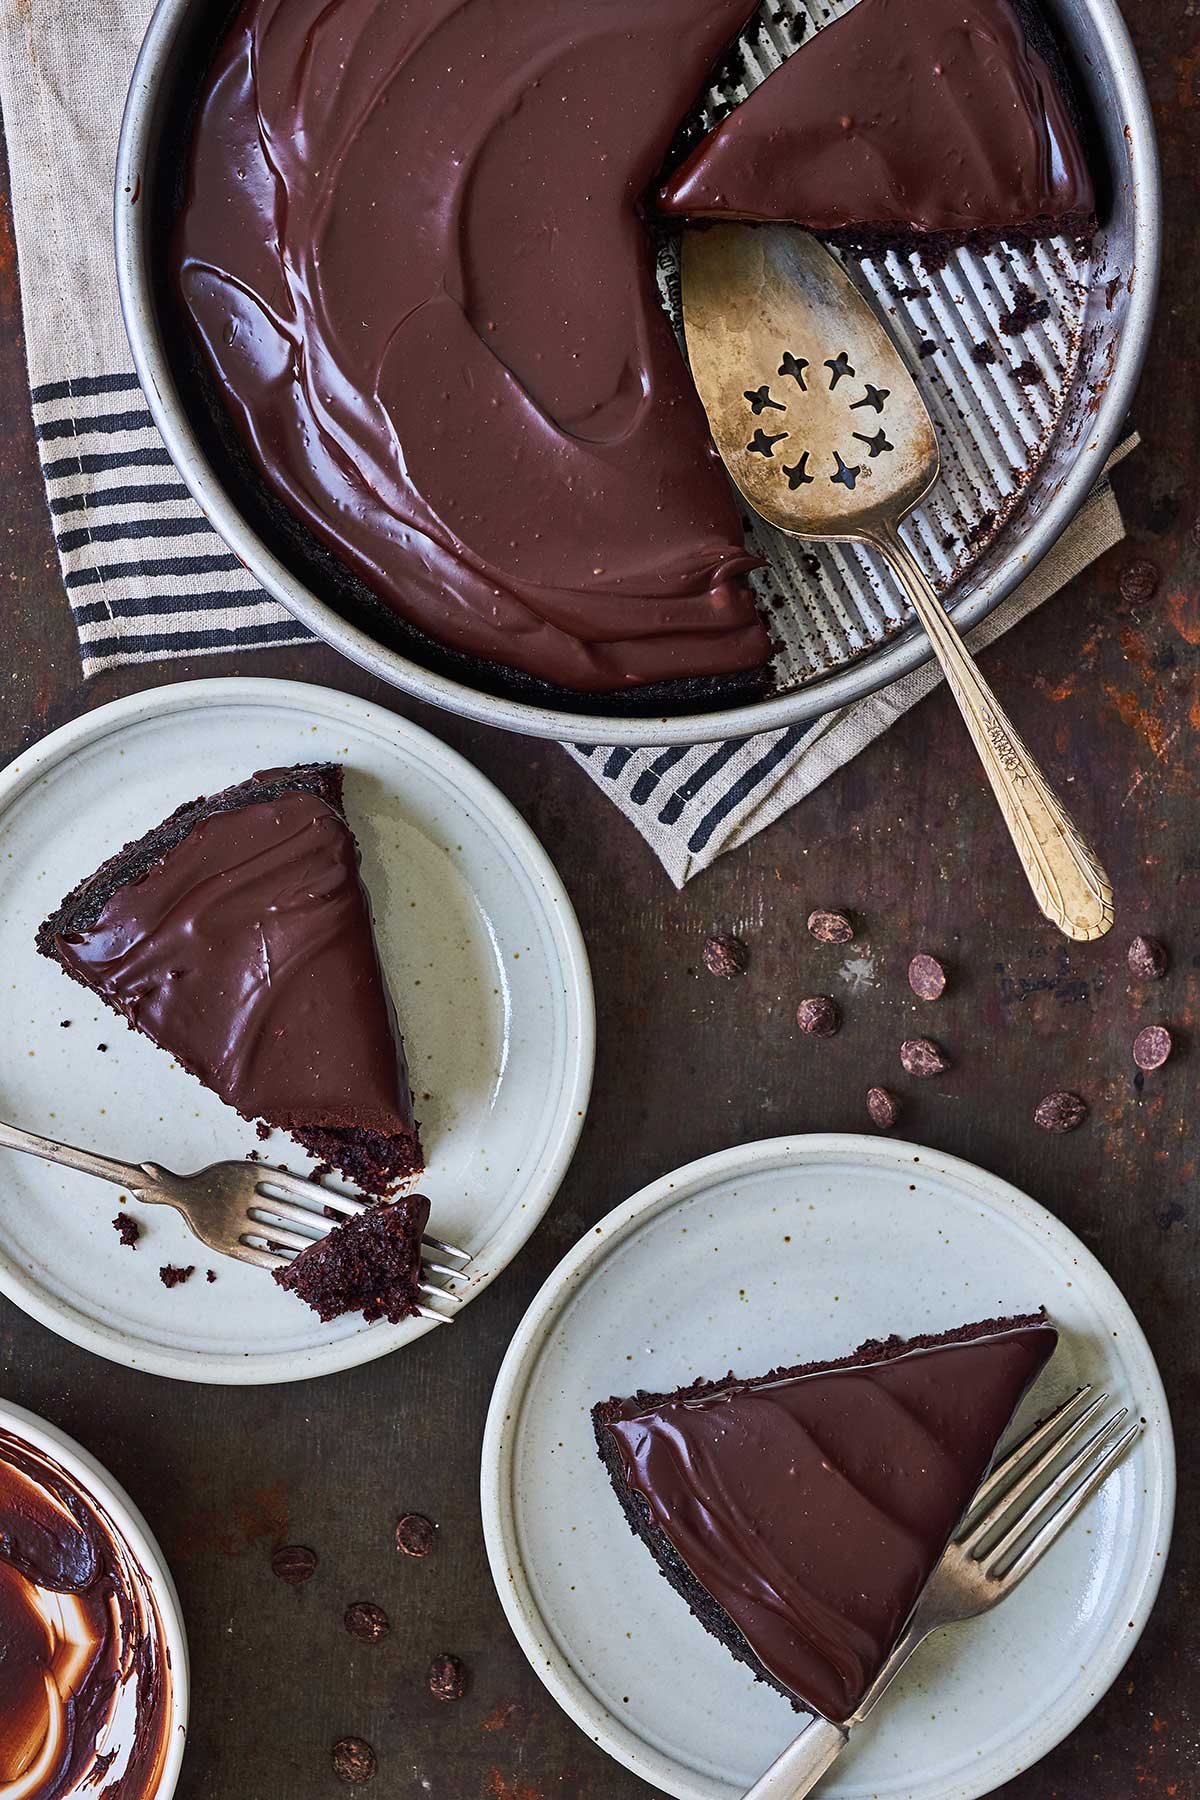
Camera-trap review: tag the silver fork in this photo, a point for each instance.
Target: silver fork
(1017, 1513)
(242, 1209)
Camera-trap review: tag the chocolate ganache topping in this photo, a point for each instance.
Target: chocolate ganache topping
(813, 1508)
(85, 1679)
(412, 252)
(927, 115)
(246, 950)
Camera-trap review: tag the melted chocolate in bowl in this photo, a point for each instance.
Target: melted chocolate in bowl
(85, 1680)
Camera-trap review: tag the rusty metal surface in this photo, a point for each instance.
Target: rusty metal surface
(1106, 683)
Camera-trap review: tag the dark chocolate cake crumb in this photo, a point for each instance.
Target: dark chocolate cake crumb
(1026, 310)
(294, 1563)
(725, 955)
(447, 1677)
(171, 1275)
(884, 1108)
(924, 1058)
(367, 1622)
(1147, 958)
(1151, 1047)
(415, 1534)
(1028, 374)
(831, 927)
(984, 354)
(926, 977)
(64, 1024)
(1138, 580)
(211, 1275)
(262, 1131)
(926, 348)
(127, 1229)
(1060, 1112)
(102, 1048)
(353, 1760)
(818, 1016)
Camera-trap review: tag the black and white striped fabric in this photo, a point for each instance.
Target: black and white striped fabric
(146, 576)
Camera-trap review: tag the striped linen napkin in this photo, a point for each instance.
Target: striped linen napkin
(146, 576)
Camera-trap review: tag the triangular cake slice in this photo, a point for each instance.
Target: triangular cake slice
(238, 936)
(904, 121)
(801, 1514)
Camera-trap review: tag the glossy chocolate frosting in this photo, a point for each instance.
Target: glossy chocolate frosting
(922, 115)
(411, 250)
(814, 1507)
(247, 951)
(85, 1681)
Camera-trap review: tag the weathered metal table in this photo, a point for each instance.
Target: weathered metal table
(1108, 689)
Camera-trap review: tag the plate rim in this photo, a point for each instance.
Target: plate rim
(31, 1428)
(277, 1367)
(501, 1432)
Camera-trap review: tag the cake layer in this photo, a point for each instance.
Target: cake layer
(922, 117)
(411, 251)
(801, 1514)
(371, 1264)
(238, 936)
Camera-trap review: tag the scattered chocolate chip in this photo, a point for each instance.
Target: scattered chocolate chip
(921, 1056)
(415, 1534)
(725, 954)
(447, 1678)
(883, 1107)
(830, 927)
(171, 1274)
(1151, 1047)
(926, 977)
(818, 1016)
(127, 1229)
(294, 1563)
(1138, 580)
(1147, 959)
(1060, 1112)
(353, 1760)
(367, 1622)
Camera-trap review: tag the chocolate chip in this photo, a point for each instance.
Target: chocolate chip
(818, 1016)
(353, 1760)
(1147, 959)
(1138, 580)
(883, 1107)
(725, 954)
(127, 1229)
(415, 1534)
(367, 1622)
(1060, 1112)
(926, 977)
(294, 1564)
(830, 927)
(1152, 1046)
(447, 1678)
(921, 1056)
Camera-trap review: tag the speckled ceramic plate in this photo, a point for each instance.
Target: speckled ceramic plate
(145, 1555)
(484, 957)
(782, 1252)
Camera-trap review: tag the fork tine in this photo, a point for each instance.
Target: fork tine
(446, 1249)
(1060, 1517)
(287, 1209)
(1061, 1483)
(1067, 1428)
(1033, 1438)
(438, 1293)
(301, 1188)
(279, 1235)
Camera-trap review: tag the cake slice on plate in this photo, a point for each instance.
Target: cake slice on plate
(237, 935)
(909, 123)
(801, 1514)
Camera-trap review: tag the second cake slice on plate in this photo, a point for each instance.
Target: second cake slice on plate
(238, 936)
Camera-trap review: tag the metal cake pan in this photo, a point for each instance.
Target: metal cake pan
(1021, 451)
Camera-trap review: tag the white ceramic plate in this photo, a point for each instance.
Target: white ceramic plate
(484, 957)
(780, 1252)
(145, 1554)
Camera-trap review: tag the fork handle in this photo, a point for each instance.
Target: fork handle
(1066, 876)
(803, 1763)
(50, 1150)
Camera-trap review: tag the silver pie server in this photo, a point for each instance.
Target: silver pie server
(825, 434)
